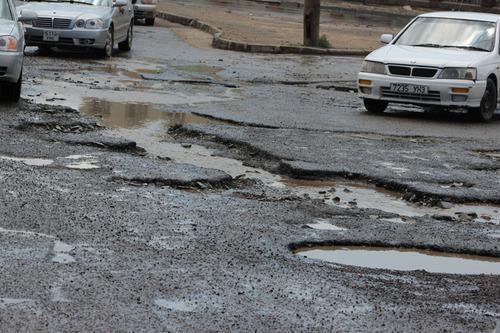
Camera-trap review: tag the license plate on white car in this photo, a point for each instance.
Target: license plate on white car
(409, 89)
(50, 36)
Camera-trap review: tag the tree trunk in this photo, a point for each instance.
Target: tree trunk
(311, 22)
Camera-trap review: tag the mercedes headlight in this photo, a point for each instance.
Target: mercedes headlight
(94, 24)
(459, 74)
(373, 67)
(8, 43)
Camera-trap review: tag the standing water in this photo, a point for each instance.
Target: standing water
(404, 259)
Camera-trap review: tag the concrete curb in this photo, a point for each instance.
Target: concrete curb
(227, 44)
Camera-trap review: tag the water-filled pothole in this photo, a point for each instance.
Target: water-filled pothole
(138, 115)
(350, 194)
(403, 259)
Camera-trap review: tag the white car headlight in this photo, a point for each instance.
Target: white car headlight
(8, 43)
(94, 24)
(373, 67)
(80, 24)
(459, 74)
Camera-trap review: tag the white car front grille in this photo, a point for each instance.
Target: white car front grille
(402, 70)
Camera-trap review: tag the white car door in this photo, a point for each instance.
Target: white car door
(497, 61)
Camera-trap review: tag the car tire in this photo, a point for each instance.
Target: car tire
(375, 105)
(107, 51)
(11, 91)
(150, 21)
(126, 45)
(44, 50)
(486, 110)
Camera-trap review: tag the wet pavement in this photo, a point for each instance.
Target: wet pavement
(175, 200)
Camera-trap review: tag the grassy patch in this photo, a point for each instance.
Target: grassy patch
(324, 42)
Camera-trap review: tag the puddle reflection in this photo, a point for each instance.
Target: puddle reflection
(136, 115)
(365, 196)
(404, 259)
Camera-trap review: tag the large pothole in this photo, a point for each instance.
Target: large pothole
(153, 137)
(402, 259)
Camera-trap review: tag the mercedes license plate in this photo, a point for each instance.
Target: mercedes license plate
(50, 36)
(409, 89)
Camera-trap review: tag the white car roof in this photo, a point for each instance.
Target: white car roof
(465, 16)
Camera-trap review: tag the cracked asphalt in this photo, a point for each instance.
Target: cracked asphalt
(130, 215)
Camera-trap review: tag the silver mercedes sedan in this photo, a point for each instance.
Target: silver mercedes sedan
(11, 50)
(96, 24)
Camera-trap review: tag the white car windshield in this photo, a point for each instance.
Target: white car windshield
(450, 33)
(5, 10)
(105, 3)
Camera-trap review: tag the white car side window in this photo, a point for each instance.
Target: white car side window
(4, 10)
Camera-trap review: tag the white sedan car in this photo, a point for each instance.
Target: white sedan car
(446, 59)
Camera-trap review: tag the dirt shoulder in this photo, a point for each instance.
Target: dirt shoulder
(282, 25)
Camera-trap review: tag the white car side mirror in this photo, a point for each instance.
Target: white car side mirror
(120, 3)
(386, 38)
(27, 16)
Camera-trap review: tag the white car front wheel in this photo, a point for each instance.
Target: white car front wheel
(107, 51)
(375, 105)
(11, 91)
(488, 105)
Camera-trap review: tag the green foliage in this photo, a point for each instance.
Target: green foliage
(324, 42)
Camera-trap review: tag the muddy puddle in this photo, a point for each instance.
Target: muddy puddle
(137, 115)
(404, 259)
(348, 195)
(79, 96)
(154, 138)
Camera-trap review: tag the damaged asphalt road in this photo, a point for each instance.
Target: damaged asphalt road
(104, 229)
(177, 260)
(424, 168)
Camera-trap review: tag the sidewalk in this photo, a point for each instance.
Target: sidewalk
(347, 26)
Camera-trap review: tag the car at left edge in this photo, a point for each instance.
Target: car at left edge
(12, 50)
